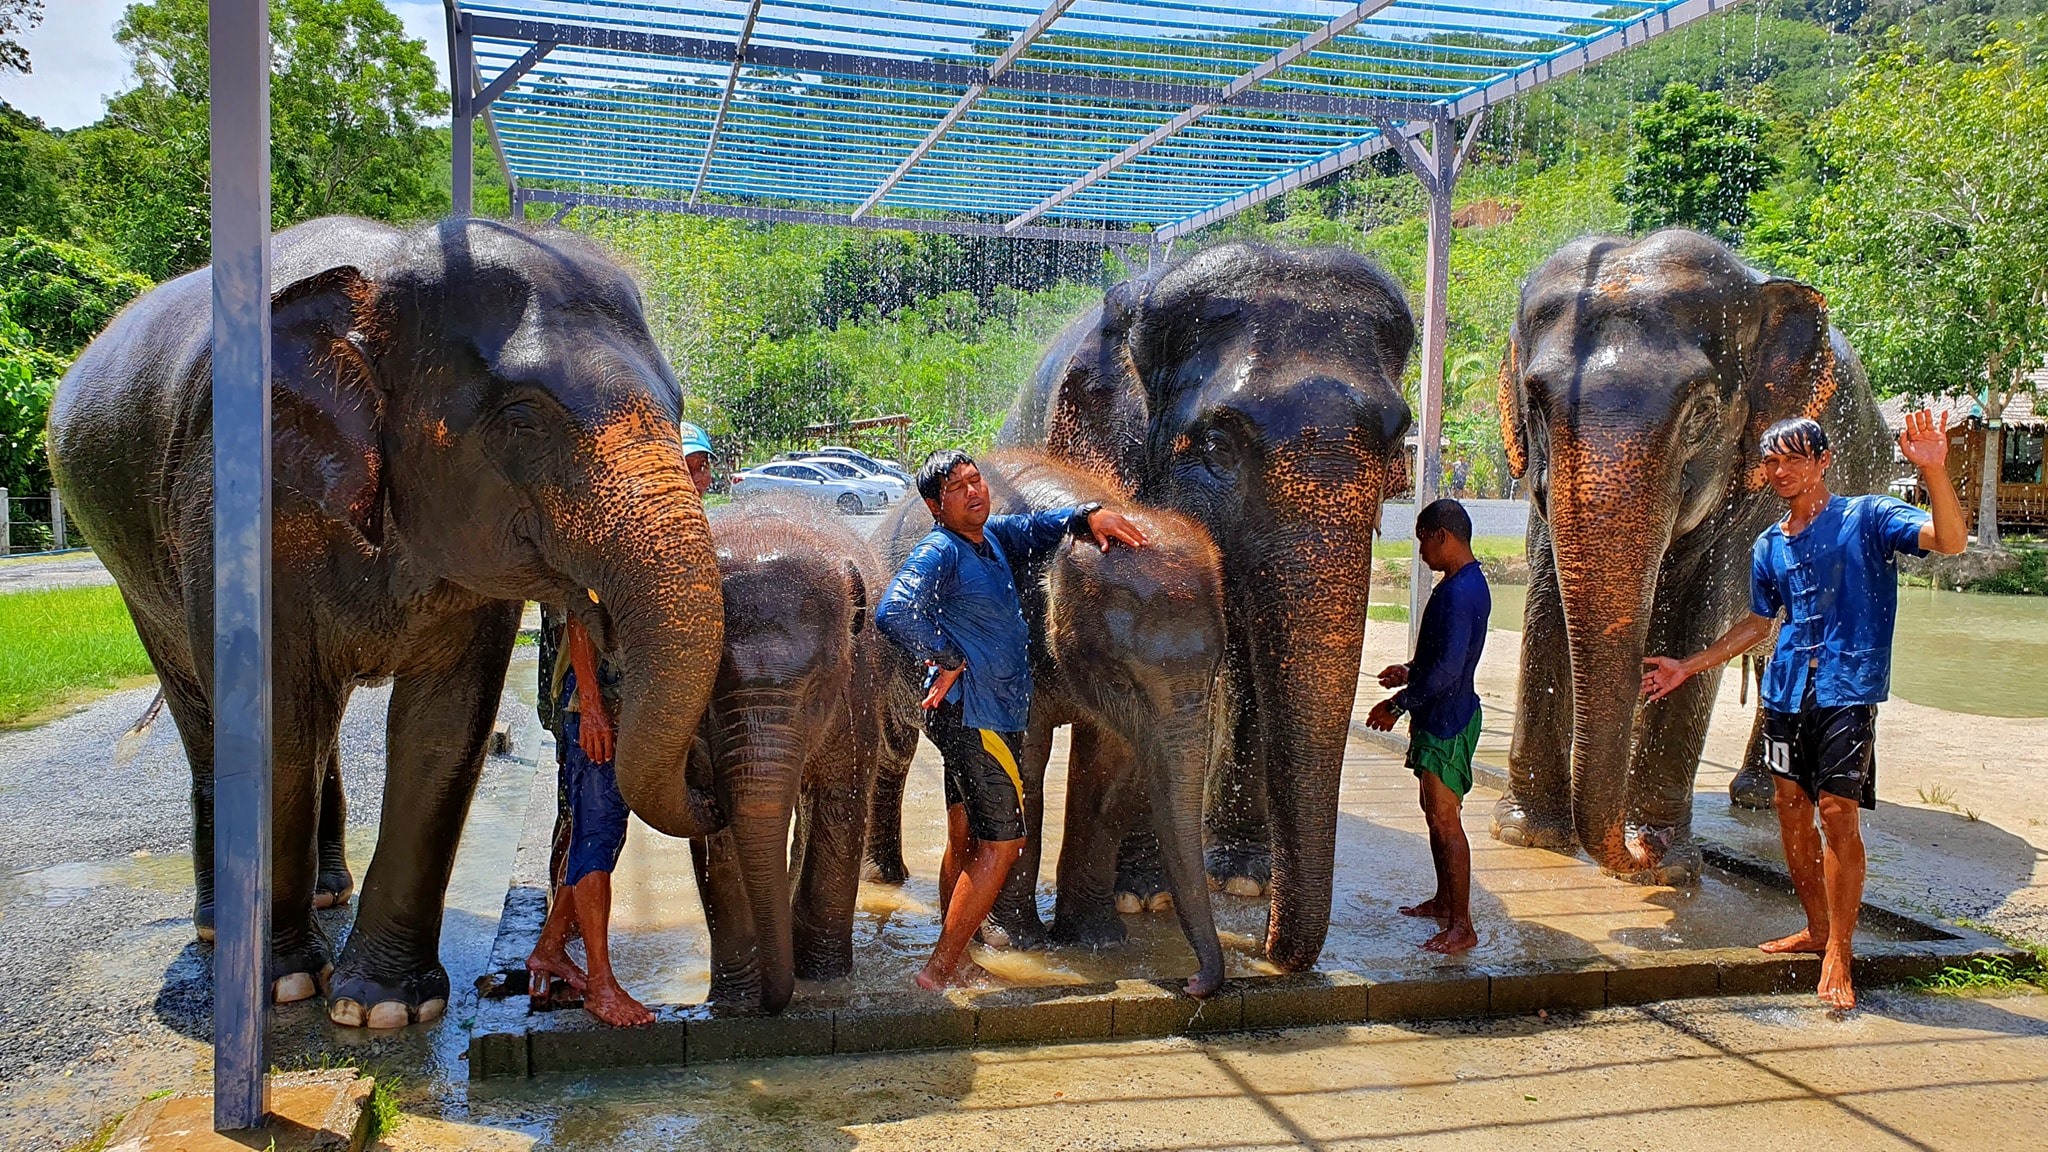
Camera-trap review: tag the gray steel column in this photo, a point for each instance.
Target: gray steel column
(462, 121)
(1436, 299)
(57, 533)
(239, 34)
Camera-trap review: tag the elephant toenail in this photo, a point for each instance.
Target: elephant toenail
(347, 1013)
(390, 1014)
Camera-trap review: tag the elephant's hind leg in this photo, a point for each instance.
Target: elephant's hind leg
(830, 830)
(1102, 799)
(1140, 884)
(334, 885)
(440, 721)
(885, 802)
(1015, 915)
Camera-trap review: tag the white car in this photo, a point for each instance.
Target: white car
(851, 496)
(850, 470)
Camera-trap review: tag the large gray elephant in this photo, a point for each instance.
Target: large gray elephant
(1637, 378)
(792, 732)
(466, 416)
(1257, 391)
(1127, 646)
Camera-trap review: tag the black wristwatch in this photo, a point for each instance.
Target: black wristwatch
(1395, 704)
(1079, 524)
(949, 662)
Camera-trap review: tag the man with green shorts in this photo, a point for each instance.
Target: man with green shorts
(1443, 708)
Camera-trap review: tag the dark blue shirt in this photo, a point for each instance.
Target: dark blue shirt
(955, 600)
(1439, 695)
(1837, 583)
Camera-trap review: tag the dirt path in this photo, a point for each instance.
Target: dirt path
(64, 570)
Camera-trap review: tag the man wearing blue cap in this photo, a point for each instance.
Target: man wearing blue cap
(697, 456)
(1831, 568)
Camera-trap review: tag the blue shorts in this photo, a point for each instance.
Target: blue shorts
(597, 813)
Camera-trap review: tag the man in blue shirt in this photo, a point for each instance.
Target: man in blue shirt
(1443, 707)
(1831, 569)
(954, 605)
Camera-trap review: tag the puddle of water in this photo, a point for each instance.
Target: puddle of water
(60, 884)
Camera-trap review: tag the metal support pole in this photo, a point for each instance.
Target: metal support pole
(6, 529)
(462, 121)
(239, 34)
(1435, 328)
(57, 533)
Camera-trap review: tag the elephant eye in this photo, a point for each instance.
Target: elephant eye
(1219, 454)
(521, 418)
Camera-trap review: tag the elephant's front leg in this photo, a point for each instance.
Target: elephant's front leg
(729, 917)
(1753, 785)
(1016, 912)
(1102, 798)
(335, 885)
(1239, 858)
(1535, 812)
(306, 734)
(831, 826)
(885, 801)
(436, 733)
(1140, 883)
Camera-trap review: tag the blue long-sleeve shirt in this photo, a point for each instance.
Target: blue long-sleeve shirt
(956, 602)
(1440, 696)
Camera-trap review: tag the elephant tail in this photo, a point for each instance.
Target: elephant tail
(130, 742)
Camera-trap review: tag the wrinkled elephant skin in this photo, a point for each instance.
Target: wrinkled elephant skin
(792, 732)
(1256, 391)
(1127, 646)
(1637, 379)
(465, 416)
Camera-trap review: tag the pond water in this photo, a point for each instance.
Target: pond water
(1957, 651)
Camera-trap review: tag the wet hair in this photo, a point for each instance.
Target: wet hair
(1798, 436)
(931, 479)
(1446, 515)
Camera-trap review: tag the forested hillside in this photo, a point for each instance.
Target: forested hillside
(1765, 125)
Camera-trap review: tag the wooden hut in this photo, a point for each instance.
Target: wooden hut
(2022, 479)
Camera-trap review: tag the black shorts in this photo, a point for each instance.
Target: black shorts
(981, 773)
(1831, 750)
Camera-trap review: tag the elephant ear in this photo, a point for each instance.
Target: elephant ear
(1099, 413)
(327, 413)
(1511, 415)
(857, 591)
(1790, 365)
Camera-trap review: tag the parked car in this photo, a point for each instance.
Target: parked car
(850, 496)
(858, 457)
(848, 470)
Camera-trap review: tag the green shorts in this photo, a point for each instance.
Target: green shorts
(1448, 760)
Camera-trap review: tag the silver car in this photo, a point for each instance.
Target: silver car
(861, 459)
(850, 496)
(851, 470)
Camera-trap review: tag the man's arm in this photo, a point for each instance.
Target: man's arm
(1926, 445)
(1663, 675)
(595, 734)
(1029, 536)
(1439, 666)
(909, 610)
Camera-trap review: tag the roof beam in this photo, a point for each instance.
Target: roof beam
(905, 70)
(1541, 72)
(1052, 12)
(510, 76)
(797, 216)
(732, 79)
(1196, 111)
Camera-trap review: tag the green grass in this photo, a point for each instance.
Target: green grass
(1990, 975)
(385, 1112)
(1398, 613)
(59, 646)
(1498, 547)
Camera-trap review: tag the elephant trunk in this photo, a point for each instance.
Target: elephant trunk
(1305, 644)
(1611, 522)
(661, 617)
(759, 756)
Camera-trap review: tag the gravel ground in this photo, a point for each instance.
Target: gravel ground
(112, 996)
(67, 570)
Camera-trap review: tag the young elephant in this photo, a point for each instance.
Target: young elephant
(1128, 647)
(791, 730)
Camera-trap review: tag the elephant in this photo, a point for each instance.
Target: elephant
(1255, 390)
(793, 730)
(1127, 646)
(466, 415)
(1637, 378)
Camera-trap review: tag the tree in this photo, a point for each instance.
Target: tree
(36, 168)
(1931, 244)
(1695, 163)
(349, 97)
(16, 17)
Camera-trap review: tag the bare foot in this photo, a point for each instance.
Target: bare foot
(1835, 989)
(1459, 937)
(1432, 909)
(611, 1004)
(966, 974)
(1805, 940)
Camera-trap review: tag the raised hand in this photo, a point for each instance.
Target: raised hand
(1394, 676)
(1924, 443)
(1106, 526)
(1662, 675)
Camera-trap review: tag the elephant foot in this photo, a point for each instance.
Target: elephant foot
(202, 918)
(1515, 823)
(1137, 887)
(333, 891)
(296, 986)
(1677, 866)
(363, 1001)
(734, 995)
(1024, 933)
(1096, 931)
(300, 972)
(1753, 788)
(1132, 904)
(1239, 869)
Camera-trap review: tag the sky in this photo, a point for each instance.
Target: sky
(78, 65)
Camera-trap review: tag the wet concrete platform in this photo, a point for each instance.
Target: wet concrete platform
(1555, 934)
